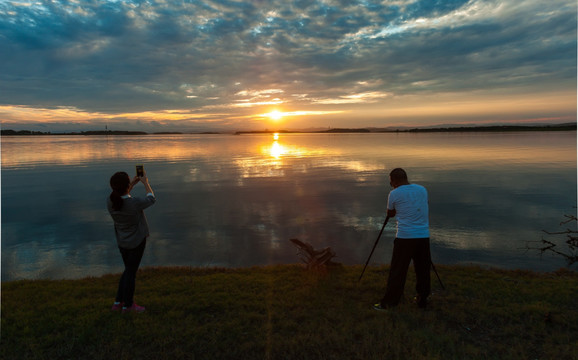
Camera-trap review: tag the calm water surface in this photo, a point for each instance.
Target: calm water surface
(226, 200)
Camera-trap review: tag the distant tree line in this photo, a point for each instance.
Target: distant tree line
(23, 132)
(498, 128)
(102, 132)
(494, 128)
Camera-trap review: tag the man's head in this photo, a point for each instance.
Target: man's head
(398, 177)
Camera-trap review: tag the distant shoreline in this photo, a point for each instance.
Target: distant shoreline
(492, 128)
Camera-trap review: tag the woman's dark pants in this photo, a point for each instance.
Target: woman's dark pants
(404, 251)
(126, 285)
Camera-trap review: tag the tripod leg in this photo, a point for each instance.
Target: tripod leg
(438, 276)
(373, 249)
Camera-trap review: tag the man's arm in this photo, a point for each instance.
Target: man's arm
(390, 205)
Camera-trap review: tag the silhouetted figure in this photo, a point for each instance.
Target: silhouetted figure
(131, 230)
(408, 203)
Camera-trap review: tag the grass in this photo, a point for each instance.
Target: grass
(286, 312)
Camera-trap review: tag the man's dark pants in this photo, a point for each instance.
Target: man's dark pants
(404, 251)
(126, 285)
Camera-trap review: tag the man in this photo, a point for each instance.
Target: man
(408, 203)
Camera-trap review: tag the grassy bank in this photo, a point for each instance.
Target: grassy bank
(285, 312)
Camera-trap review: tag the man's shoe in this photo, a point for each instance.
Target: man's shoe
(133, 308)
(116, 306)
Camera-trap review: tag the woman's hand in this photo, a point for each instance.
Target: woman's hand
(145, 180)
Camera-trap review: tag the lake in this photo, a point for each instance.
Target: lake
(235, 201)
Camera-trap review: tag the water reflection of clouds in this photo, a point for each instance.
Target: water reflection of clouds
(50, 257)
(489, 149)
(279, 159)
(437, 150)
(26, 151)
(236, 200)
(249, 168)
(461, 239)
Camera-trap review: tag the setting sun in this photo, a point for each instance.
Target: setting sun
(275, 115)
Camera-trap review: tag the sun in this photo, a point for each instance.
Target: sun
(275, 115)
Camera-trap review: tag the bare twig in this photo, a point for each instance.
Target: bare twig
(571, 255)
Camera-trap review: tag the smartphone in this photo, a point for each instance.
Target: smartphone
(140, 170)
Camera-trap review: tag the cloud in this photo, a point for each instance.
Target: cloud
(361, 98)
(116, 57)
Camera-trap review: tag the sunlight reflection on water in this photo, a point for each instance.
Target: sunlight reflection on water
(227, 200)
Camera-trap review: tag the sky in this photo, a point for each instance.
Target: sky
(202, 65)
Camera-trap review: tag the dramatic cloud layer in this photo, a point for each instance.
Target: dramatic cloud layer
(194, 64)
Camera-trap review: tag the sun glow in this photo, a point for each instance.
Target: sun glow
(275, 115)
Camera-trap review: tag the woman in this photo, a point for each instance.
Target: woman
(131, 230)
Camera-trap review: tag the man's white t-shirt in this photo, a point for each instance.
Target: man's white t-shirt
(411, 211)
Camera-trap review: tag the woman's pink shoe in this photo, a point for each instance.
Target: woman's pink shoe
(133, 308)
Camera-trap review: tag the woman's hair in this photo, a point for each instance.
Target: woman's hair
(119, 182)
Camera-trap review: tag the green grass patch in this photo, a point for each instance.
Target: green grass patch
(286, 312)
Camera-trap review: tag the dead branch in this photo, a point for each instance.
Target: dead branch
(571, 253)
